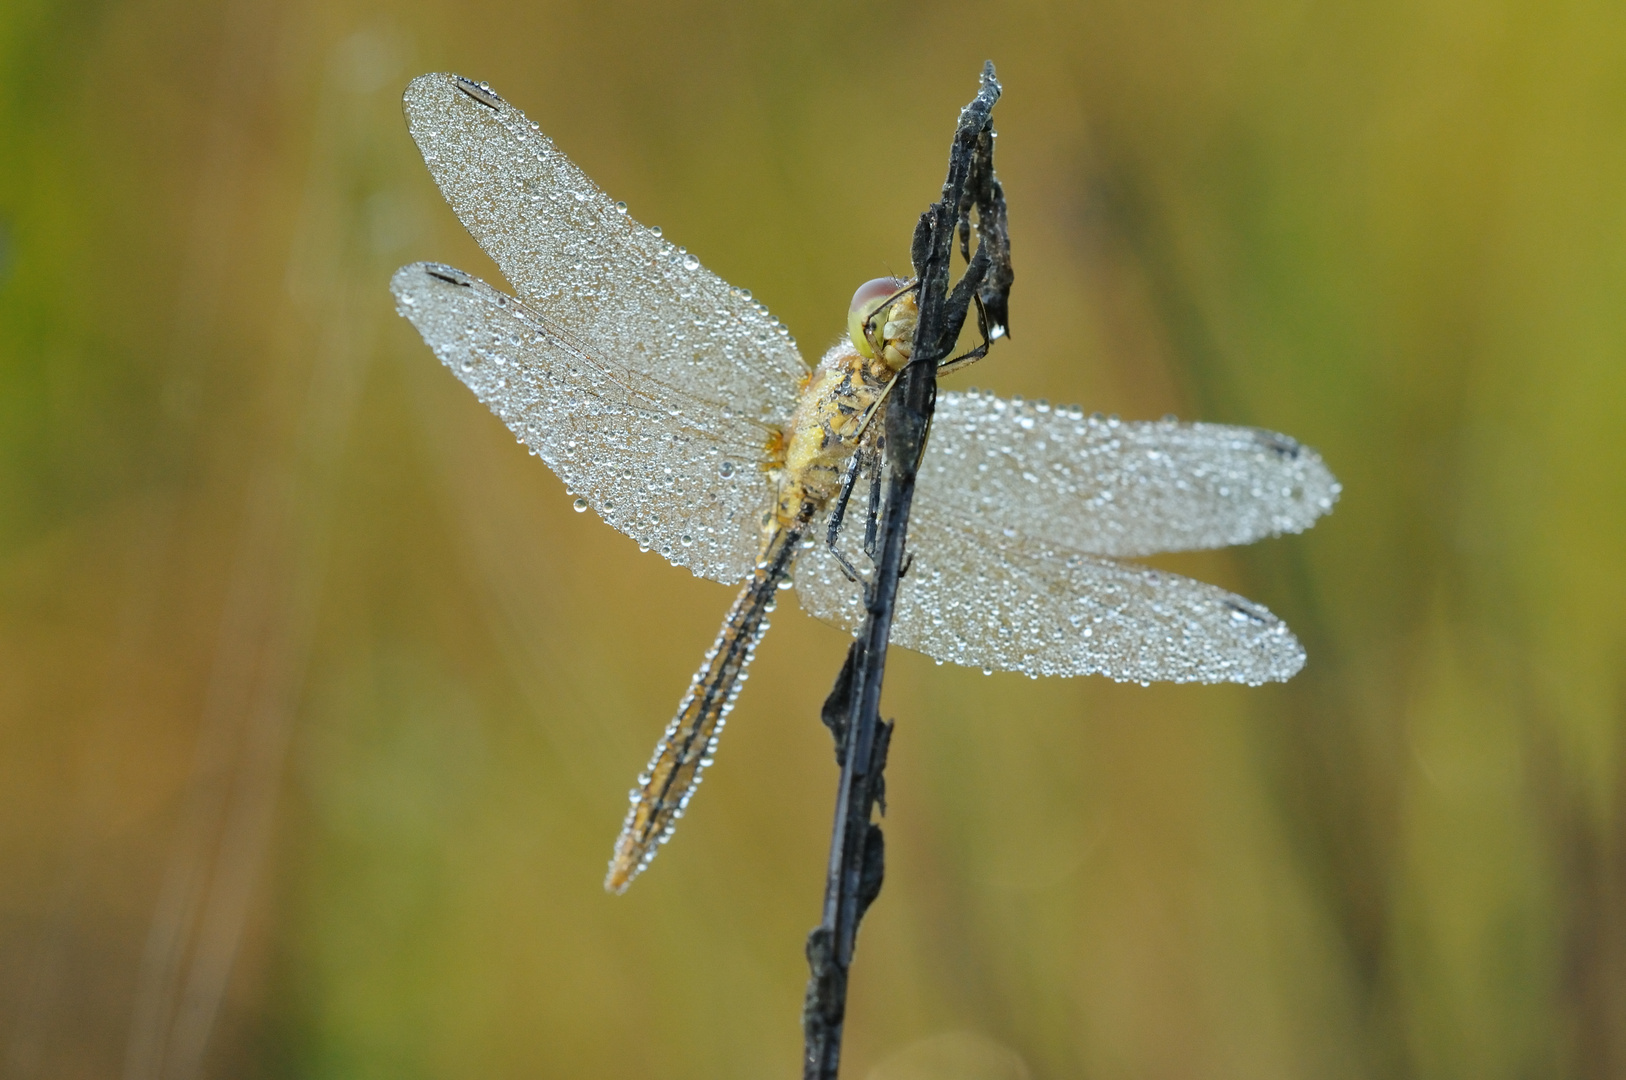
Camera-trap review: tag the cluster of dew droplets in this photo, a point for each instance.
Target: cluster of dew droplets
(1008, 604)
(663, 481)
(1105, 486)
(1015, 496)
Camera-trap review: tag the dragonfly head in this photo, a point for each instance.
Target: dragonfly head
(881, 321)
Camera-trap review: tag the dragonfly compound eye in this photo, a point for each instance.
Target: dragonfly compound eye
(866, 301)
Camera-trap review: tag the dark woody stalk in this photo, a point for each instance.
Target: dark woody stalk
(852, 711)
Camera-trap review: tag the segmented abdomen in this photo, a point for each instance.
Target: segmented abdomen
(684, 751)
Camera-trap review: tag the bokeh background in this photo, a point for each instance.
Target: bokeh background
(318, 705)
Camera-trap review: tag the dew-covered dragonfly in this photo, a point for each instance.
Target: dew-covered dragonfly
(680, 411)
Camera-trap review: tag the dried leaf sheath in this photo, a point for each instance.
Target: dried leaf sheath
(690, 741)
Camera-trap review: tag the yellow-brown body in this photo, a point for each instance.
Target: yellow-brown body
(834, 413)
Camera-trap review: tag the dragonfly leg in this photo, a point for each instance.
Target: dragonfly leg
(875, 406)
(839, 513)
(846, 564)
(969, 358)
(874, 507)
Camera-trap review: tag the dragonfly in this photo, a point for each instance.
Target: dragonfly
(678, 409)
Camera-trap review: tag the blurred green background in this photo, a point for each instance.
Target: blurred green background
(318, 706)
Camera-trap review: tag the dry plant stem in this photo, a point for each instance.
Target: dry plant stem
(852, 710)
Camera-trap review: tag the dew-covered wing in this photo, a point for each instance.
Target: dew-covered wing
(1018, 604)
(677, 477)
(617, 288)
(1110, 487)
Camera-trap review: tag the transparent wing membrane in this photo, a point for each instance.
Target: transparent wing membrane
(1014, 603)
(676, 474)
(576, 257)
(1110, 487)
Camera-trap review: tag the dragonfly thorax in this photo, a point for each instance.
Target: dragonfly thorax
(841, 400)
(837, 407)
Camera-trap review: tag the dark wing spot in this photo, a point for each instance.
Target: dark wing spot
(1280, 445)
(478, 93)
(1246, 613)
(448, 275)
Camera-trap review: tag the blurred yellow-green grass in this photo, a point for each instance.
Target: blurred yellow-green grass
(318, 706)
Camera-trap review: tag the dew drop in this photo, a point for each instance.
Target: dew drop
(620, 207)
(726, 469)
(579, 505)
(654, 230)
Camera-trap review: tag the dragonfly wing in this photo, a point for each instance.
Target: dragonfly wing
(674, 474)
(1018, 604)
(615, 287)
(1109, 487)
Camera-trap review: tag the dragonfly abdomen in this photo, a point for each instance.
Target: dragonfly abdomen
(690, 740)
